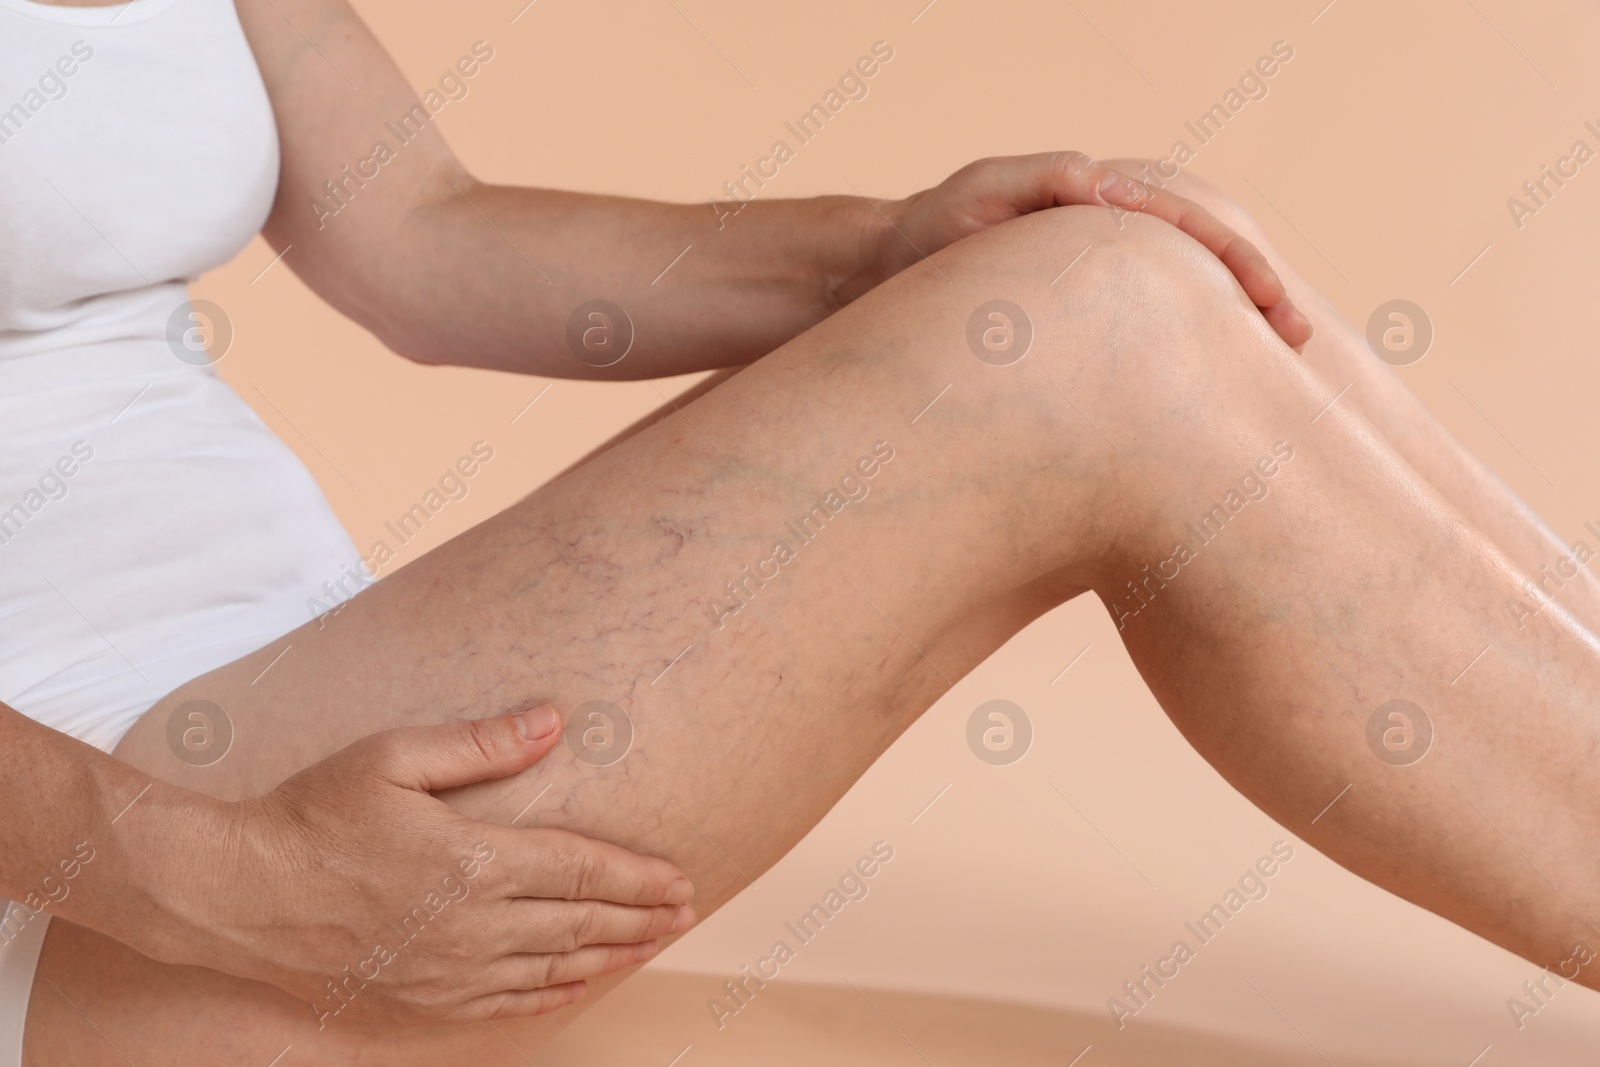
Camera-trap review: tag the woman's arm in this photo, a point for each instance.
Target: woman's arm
(292, 887)
(444, 269)
(379, 217)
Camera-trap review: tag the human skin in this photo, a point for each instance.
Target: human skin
(527, 218)
(1338, 352)
(367, 813)
(444, 268)
(1350, 583)
(433, 262)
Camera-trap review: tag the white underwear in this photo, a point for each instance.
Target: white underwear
(22, 932)
(152, 528)
(18, 960)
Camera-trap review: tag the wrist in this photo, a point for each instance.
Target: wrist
(856, 259)
(177, 852)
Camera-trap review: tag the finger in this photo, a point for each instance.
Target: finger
(1247, 263)
(568, 866)
(1291, 325)
(452, 754)
(1074, 178)
(543, 926)
(1243, 259)
(517, 1004)
(1057, 179)
(1024, 184)
(1260, 282)
(528, 971)
(1019, 185)
(1063, 179)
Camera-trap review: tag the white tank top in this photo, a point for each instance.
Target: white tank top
(151, 527)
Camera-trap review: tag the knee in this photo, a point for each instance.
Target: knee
(1164, 174)
(1089, 257)
(1091, 279)
(1127, 315)
(1148, 365)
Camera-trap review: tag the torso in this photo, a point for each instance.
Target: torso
(137, 150)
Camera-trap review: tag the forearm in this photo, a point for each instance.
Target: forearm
(86, 837)
(492, 276)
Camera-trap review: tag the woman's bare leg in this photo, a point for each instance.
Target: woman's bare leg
(1338, 352)
(1153, 398)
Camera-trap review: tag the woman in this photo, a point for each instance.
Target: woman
(756, 593)
(162, 531)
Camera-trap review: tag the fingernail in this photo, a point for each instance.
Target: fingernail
(679, 892)
(1119, 189)
(644, 950)
(684, 920)
(538, 724)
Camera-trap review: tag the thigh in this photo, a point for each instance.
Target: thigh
(764, 589)
(970, 638)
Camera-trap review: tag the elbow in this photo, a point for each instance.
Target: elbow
(407, 338)
(420, 354)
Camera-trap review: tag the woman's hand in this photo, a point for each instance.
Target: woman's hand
(353, 888)
(991, 191)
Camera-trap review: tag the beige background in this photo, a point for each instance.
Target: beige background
(1380, 161)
